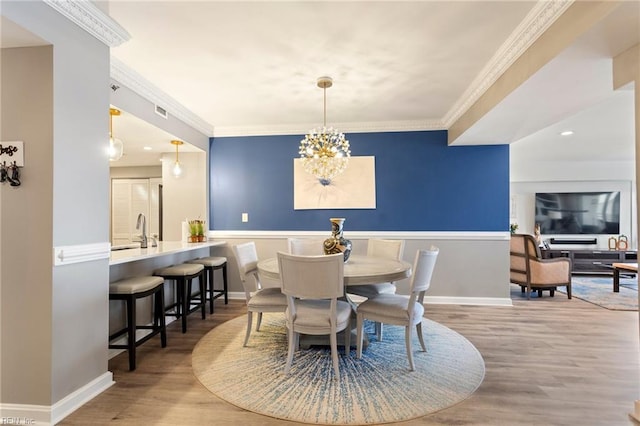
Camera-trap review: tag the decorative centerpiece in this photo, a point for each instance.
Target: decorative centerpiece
(337, 243)
(196, 231)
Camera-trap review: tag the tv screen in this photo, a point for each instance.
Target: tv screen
(578, 212)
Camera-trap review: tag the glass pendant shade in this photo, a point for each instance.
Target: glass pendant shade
(116, 149)
(176, 171)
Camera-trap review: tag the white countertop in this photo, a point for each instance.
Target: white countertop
(164, 248)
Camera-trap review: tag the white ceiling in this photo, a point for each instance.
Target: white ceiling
(251, 68)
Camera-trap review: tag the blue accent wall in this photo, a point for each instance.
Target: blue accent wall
(421, 185)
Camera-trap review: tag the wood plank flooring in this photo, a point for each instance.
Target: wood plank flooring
(549, 361)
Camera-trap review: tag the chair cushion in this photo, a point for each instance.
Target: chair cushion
(313, 315)
(390, 306)
(371, 290)
(270, 299)
(213, 261)
(135, 285)
(182, 270)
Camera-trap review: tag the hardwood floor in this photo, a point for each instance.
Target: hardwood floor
(549, 361)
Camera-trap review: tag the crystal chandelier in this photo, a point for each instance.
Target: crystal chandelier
(324, 152)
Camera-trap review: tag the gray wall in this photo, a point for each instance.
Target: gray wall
(472, 268)
(64, 200)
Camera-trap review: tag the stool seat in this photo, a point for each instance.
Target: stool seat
(185, 303)
(211, 264)
(129, 290)
(212, 261)
(181, 270)
(135, 285)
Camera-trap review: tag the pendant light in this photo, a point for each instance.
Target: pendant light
(176, 171)
(116, 147)
(324, 152)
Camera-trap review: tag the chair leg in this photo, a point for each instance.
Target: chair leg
(259, 321)
(225, 285)
(420, 336)
(203, 294)
(379, 330)
(249, 321)
(186, 297)
(159, 316)
(131, 333)
(292, 344)
(334, 354)
(407, 339)
(210, 276)
(347, 339)
(569, 291)
(359, 337)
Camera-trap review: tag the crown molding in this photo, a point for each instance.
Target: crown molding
(134, 81)
(537, 21)
(91, 19)
(364, 127)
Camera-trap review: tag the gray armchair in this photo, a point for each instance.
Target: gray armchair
(532, 273)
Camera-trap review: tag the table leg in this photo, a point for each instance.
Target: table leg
(616, 280)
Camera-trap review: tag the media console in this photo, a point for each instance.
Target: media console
(592, 261)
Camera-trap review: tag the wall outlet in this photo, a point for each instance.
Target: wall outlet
(245, 217)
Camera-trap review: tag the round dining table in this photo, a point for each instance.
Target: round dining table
(358, 270)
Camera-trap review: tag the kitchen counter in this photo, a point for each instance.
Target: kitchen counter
(164, 248)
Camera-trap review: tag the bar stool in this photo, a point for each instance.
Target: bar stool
(185, 304)
(130, 290)
(210, 265)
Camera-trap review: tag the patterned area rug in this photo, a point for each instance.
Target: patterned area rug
(599, 291)
(378, 388)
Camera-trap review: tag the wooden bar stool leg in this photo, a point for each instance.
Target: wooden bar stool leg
(159, 316)
(203, 294)
(224, 284)
(186, 297)
(131, 333)
(210, 272)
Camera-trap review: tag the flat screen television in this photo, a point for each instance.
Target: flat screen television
(593, 213)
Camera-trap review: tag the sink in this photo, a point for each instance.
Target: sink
(125, 247)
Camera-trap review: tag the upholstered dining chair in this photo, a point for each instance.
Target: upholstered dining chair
(258, 299)
(306, 246)
(392, 249)
(401, 310)
(531, 272)
(312, 285)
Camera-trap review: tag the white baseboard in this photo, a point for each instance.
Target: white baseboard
(25, 414)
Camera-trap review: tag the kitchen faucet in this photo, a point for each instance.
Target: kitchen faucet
(143, 238)
(142, 220)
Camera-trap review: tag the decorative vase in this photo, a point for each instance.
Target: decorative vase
(337, 243)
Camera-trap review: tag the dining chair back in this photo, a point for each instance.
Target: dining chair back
(390, 249)
(258, 299)
(401, 310)
(313, 285)
(306, 246)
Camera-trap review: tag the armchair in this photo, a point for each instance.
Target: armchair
(531, 272)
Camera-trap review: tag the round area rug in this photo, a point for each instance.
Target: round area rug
(378, 388)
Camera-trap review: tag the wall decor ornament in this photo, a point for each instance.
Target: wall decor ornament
(337, 243)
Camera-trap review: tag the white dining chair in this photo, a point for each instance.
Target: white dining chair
(398, 309)
(306, 246)
(391, 249)
(312, 285)
(258, 299)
